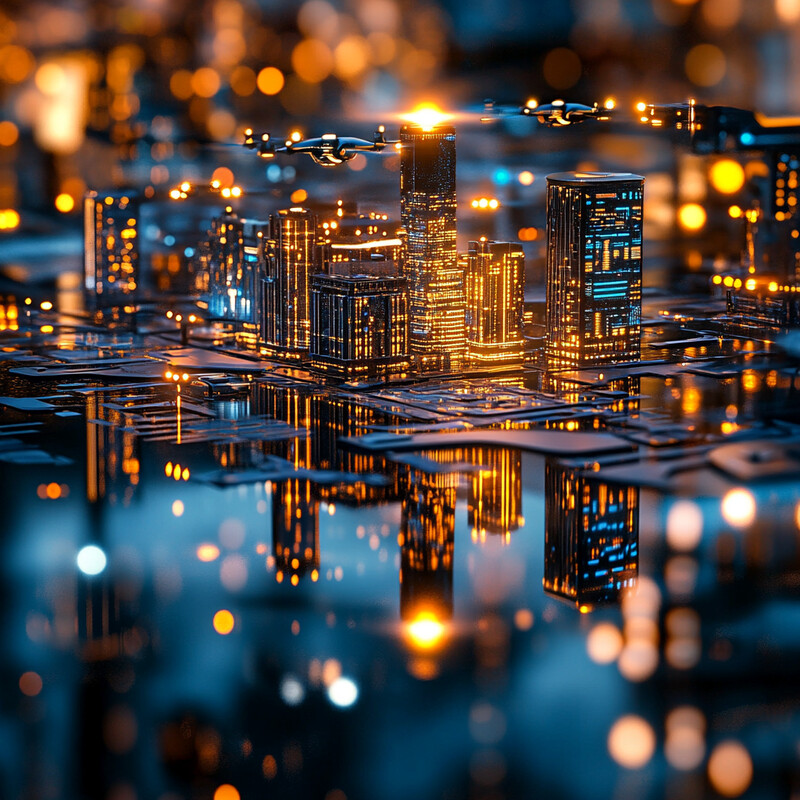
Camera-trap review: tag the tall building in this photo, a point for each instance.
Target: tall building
(237, 253)
(495, 283)
(591, 553)
(292, 258)
(427, 531)
(359, 320)
(111, 246)
(428, 214)
(594, 269)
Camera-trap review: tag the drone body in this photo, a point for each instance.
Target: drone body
(328, 150)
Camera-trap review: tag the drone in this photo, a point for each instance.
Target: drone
(556, 113)
(720, 129)
(328, 150)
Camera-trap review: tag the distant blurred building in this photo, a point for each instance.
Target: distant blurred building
(591, 552)
(495, 282)
(594, 269)
(359, 320)
(293, 256)
(236, 266)
(111, 247)
(428, 214)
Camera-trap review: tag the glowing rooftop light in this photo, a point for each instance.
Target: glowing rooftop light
(426, 631)
(91, 560)
(427, 116)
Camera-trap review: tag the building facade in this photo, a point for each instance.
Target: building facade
(494, 275)
(111, 247)
(428, 214)
(359, 320)
(594, 269)
(293, 255)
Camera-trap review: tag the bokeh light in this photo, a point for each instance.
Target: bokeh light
(738, 508)
(730, 768)
(91, 560)
(223, 622)
(631, 742)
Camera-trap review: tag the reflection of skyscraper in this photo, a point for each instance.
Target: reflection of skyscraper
(591, 537)
(427, 533)
(495, 282)
(295, 530)
(594, 269)
(494, 505)
(428, 214)
(294, 258)
(111, 246)
(359, 321)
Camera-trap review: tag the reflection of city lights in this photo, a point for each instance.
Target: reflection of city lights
(91, 560)
(223, 622)
(684, 525)
(427, 116)
(292, 691)
(604, 643)
(207, 552)
(730, 768)
(425, 631)
(631, 742)
(343, 692)
(739, 508)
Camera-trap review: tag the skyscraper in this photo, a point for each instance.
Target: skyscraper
(111, 246)
(594, 269)
(293, 257)
(495, 280)
(428, 214)
(591, 553)
(359, 320)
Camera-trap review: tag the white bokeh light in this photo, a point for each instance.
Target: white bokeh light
(343, 692)
(91, 560)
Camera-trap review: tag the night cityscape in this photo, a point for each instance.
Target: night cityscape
(400, 399)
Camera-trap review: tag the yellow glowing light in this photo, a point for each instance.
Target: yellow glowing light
(691, 216)
(427, 116)
(750, 284)
(65, 203)
(727, 176)
(717, 280)
(299, 196)
(46, 329)
(226, 792)
(9, 219)
(223, 622)
(773, 287)
(631, 742)
(525, 177)
(270, 81)
(425, 631)
(532, 103)
(177, 508)
(641, 106)
(734, 212)
(739, 508)
(46, 305)
(730, 768)
(207, 552)
(610, 103)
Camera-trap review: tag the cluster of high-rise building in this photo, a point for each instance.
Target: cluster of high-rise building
(360, 298)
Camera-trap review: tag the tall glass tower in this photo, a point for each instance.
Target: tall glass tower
(594, 269)
(428, 214)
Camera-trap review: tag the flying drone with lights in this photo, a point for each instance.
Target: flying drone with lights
(553, 114)
(328, 150)
(720, 129)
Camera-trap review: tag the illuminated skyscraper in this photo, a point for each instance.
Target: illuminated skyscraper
(428, 214)
(295, 530)
(495, 282)
(591, 552)
(594, 269)
(237, 263)
(111, 246)
(293, 257)
(494, 504)
(427, 531)
(359, 320)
